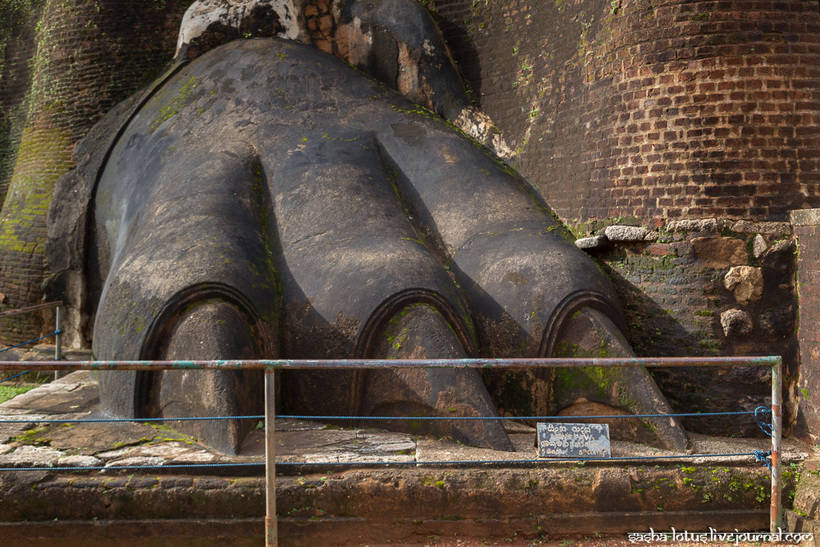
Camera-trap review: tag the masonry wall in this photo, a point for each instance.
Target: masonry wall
(683, 117)
(708, 287)
(807, 229)
(17, 23)
(651, 109)
(68, 62)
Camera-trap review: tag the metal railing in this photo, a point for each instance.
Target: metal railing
(270, 366)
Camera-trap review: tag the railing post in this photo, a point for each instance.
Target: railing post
(777, 420)
(58, 337)
(271, 532)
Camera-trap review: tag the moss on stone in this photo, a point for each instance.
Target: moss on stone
(177, 102)
(43, 156)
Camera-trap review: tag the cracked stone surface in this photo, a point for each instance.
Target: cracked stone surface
(137, 461)
(79, 461)
(89, 439)
(31, 456)
(57, 397)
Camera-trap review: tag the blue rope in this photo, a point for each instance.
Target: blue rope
(379, 463)
(55, 333)
(762, 456)
(305, 417)
(12, 377)
(764, 426)
(426, 418)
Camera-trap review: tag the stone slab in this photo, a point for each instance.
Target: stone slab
(777, 229)
(297, 440)
(808, 332)
(54, 398)
(520, 532)
(805, 217)
(694, 225)
(89, 439)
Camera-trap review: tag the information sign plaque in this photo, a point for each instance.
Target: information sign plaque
(562, 440)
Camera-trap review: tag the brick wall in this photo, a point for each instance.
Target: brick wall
(17, 23)
(652, 110)
(83, 56)
(708, 287)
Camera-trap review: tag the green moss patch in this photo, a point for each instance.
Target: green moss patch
(10, 392)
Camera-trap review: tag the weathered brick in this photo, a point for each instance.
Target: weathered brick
(735, 66)
(68, 61)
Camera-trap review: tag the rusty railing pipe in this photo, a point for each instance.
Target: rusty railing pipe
(339, 364)
(775, 520)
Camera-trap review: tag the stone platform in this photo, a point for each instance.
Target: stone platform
(367, 503)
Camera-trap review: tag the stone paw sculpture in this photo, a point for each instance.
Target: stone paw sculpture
(266, 200)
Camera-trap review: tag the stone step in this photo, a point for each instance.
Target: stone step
(549, 529)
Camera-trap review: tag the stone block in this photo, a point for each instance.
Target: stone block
(807, 495)
(78, 461)
(592, 243)
(778, 229)
(807, 231)
(693, 225)
(759, 246)
(736, 323)
(805, 217)
(625, 233)
(746, 282)
(719, 252)
(659, 249)
(31, 456)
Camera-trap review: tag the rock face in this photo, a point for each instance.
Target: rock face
(208, 23)
(736, 322)
(746, 282)
(266, 200)
(759, 246)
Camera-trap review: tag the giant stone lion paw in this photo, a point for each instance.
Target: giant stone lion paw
(267, 200)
